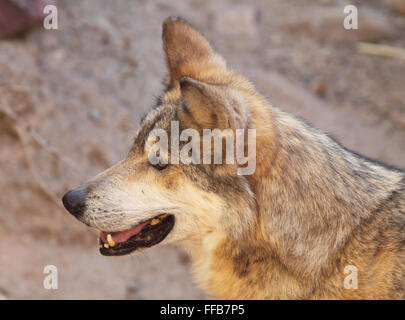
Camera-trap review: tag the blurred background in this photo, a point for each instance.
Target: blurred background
(71, 99)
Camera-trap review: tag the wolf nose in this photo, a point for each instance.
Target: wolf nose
(75, 201)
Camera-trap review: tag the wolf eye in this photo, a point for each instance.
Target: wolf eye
(160, 166)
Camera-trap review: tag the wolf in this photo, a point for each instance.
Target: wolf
(313, 221)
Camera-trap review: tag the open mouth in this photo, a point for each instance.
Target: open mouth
(143, 235)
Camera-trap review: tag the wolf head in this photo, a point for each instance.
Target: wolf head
(144, 200)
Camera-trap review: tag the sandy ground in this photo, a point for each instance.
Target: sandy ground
(81, 90)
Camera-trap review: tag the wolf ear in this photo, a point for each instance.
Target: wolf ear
(188, 53)
(210, 106)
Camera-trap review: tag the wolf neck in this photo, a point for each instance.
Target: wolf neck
(316, 187)
(311, 194)
(314, 194)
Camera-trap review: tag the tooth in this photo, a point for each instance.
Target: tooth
(110, 240)
(154, 221)
(106, 246)
(164, 215)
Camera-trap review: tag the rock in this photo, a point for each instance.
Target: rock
(327, 24)
(19, 15)
(95, 114)
(238, 20)
(320, 89)
(3, 294)
(134, 290)
(397, 5)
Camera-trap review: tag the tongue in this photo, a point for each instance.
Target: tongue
(122, 236)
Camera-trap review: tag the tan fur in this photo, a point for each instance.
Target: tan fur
(288, 231)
